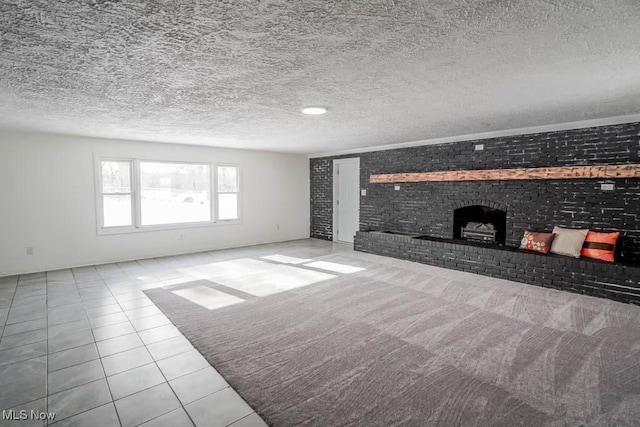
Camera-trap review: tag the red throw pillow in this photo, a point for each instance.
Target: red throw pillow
(537, 242)
(600, 245)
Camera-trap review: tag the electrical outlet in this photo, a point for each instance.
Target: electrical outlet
(396, 187)
(607, 187)
(479, 147)
(363, 192)
(29, 250)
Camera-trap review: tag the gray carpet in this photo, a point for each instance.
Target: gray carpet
(407, 344)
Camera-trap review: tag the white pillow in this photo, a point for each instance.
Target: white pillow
(568, 241)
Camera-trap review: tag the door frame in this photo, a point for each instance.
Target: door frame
(336, 162)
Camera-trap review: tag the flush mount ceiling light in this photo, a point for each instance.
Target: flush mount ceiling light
(314, 110)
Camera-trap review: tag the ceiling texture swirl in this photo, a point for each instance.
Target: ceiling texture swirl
(237, 73)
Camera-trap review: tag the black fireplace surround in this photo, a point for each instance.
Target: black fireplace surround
(480, 214)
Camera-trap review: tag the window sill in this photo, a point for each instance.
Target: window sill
(102, 231)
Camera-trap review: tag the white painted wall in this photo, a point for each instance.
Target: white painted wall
(48, 202)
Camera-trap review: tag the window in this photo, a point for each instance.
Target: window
(174, 193)
(116, 193)
(227, 192)
(140, 194)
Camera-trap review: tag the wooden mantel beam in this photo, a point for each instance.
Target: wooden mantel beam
(564, 172)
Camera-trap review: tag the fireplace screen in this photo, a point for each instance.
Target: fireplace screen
(480, 223)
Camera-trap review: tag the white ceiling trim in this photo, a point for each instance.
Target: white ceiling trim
(487, 135)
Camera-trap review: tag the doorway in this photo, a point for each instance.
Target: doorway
(346, 199)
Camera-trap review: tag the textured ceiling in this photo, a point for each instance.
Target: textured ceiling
(236, 72)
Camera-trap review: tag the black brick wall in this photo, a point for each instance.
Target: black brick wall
(321, 178)
(427, 208)
(590, 277)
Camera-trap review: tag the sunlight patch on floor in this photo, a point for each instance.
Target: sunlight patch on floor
(257, 277)
(284, 259)
(207, 297)
(334, 266)
(146, 279)
(153, 285)
(177, 281)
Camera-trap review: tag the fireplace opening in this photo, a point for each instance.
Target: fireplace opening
(480, 223)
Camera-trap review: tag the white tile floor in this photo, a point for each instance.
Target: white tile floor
(88, 345)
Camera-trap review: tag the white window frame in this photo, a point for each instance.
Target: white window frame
(238, 192)
(100, 196)
(136, 202)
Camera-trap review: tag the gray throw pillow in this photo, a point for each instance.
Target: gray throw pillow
(568, 241)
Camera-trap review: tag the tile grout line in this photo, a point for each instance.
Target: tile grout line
(89, 382)
(181, 376)
(212, 367)
(13, 297)
(113, 401)
(106, 339)
(24, 345)
(46, 358)
(246, 416)
(85, 411)
(47, 355)
(5, 324)
(156, 364)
